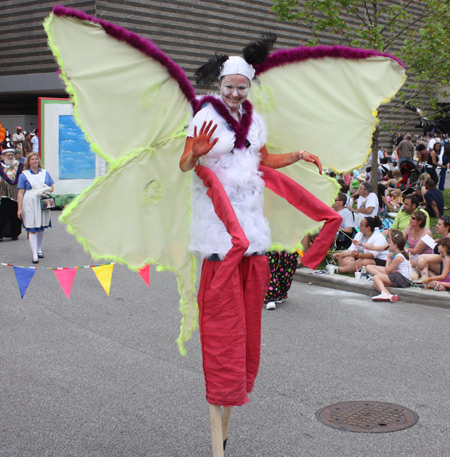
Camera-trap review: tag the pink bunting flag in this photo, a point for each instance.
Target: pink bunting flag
(65, 278)
(144, 273)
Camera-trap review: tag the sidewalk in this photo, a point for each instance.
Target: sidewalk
(342, 282)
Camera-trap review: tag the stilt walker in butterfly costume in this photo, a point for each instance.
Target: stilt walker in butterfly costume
(118, 78)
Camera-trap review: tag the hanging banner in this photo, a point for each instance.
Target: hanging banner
(23, 277)
(145, 274)
(65, 277)
(104, 275)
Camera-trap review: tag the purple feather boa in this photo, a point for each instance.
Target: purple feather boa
(139, 43)
(302, 53)
(16, 179)
(240, 128)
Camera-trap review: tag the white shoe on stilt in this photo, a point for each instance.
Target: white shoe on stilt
(271, 305)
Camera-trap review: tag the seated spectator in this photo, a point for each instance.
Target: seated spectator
(434, 199)
(357, 254)
(382, 200)
(410, 204)
(394, 177)
(420, 193)
(394, 199)
(357, 180)
(430, 263)
(347, 229)
(440, 281)
(396, 273)
(367, 203)
(414, 233)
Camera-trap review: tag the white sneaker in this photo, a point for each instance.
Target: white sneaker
(271, 305)
(279, 301)
(382, 297)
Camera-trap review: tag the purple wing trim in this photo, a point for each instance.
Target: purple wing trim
(288, 56)
(138, 42)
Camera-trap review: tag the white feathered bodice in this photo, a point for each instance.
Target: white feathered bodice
(237, 170)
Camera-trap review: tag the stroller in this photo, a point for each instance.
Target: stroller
(410, 181)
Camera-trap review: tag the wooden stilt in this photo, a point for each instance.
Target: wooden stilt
(225, 421)
(216, 430)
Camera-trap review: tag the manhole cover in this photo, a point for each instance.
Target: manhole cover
(367, 416)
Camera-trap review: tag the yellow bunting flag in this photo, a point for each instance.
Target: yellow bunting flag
(104, 275)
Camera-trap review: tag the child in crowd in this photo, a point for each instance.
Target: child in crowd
(442, 281)
(396, 199)
(396, 273)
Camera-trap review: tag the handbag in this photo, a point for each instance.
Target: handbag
(48, 203)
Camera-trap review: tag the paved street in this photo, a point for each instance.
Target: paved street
(98, 376)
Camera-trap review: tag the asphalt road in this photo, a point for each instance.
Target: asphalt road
(98, 376)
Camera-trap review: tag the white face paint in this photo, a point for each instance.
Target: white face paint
(234, 91)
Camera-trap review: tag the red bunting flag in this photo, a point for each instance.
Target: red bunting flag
(144, 273)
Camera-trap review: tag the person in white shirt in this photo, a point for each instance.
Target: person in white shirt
(367, 203)
(35, 141)
(347, 229)
(357, 255)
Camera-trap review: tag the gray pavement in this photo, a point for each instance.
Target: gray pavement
(98, 376)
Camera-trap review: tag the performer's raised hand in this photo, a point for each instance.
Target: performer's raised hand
(308, 157)
(201, 142)
(198, 145)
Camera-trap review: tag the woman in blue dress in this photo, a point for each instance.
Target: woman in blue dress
(34, 183)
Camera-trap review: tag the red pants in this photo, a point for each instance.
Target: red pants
(230, 329)
(232, 291)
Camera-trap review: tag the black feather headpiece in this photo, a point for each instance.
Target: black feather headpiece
(256, 53)
(208, 73)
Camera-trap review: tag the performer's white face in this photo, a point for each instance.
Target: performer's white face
(234, 91)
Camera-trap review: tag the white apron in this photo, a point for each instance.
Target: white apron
(32, 214)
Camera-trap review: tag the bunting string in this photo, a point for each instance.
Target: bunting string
(66, 275)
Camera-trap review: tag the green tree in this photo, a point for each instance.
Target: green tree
(416, 31)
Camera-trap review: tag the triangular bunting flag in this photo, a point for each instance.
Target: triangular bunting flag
(24, 277)
(144, 272)
(104, 275)
(65, 278)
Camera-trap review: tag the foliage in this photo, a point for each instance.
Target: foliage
(416, 31)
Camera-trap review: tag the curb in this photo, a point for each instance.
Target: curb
(340, 282)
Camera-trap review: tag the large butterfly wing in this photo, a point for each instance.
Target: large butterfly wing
(134, 104)
(127, 94)
(139, 214)
(322, 100)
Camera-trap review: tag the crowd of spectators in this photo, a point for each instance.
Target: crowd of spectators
(393, 221)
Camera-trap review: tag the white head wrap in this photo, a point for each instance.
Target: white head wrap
(236, 65)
